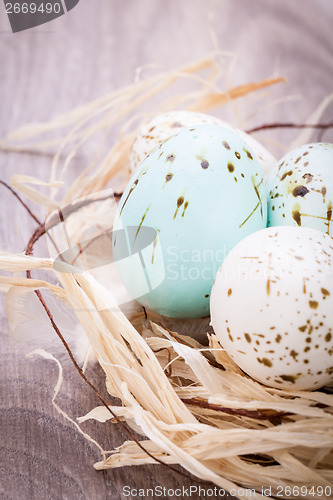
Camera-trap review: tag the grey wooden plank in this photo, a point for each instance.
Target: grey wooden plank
(95, 48)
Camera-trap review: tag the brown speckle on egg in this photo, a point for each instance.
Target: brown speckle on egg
(265, 361)
(297, 216)
(290, 172)
(135, 183)
(248, 154)
(300, 191)
(185, 207)
(180, 201)
(329, 215)
(307, 177)
(294, 355)
(289, 378)
(247, 337)
(268, 286)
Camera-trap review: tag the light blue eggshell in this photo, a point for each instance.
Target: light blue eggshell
(300, 189)
(202, 190)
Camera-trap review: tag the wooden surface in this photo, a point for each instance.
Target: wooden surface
(80, 56)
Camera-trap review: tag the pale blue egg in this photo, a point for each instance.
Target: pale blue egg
(201, 191)
(300, 189)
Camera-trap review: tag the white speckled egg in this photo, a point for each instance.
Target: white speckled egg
(202, 190)
(301, 188)
(272, 307)
(164, 125)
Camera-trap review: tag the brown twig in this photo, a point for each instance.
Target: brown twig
(268, 126)
(38, 233)
(69, 209)
(263, 460)
(56, 217)
(21, 201)
(270, 415)
(321, 134)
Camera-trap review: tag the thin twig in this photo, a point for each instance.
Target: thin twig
(321, 134)
(21, 201)
(55, 218)
(38, 233)
(289, 125)
(270, 415)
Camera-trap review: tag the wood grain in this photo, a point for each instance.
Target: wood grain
(80, 56)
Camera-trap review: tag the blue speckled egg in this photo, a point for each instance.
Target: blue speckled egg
(301, 188)
(202, 191)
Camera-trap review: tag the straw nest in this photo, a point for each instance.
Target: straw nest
(186, 398)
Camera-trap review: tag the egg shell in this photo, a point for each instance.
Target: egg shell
(203, 191)
(272, 307)
(301, 188)
(162, 126)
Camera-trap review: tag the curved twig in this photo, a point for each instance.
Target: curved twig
(21, 201)
(268, 126)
